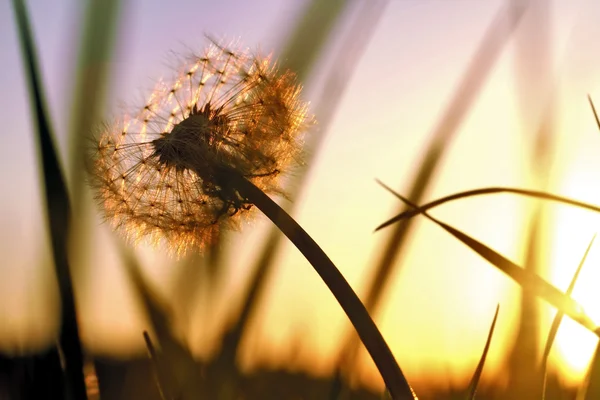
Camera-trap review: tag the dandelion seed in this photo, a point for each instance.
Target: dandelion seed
(164, 173)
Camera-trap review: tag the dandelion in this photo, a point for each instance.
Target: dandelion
(204, 151)
(166, 171)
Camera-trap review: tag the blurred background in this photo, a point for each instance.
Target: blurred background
(432, 97)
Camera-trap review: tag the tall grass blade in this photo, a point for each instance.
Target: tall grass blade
(345, 63)
(594, 111)
(355, 310)
(558, 319)
(58, 211)
(91, 73)
(472, 389)
(405, 215)
(158, 373)
(310, 35)
(526, 279)
(95, 54)
(473, 80)
(177, 366)
(591, 388)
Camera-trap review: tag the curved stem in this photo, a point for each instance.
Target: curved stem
(355, 310)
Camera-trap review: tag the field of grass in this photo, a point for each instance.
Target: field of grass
(171, 370)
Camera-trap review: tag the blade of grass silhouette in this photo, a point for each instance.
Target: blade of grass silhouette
(355, 310)
(156, 366)
(182, 365)
(95, 51)
(472, 81)
(523, 277)
(533, 74)
(310, 35)
(594, 111)
(58, 211)
(472, 389)
(484, 191)
(558, 319)
(347, 59)
(299, 53)
(590, 390)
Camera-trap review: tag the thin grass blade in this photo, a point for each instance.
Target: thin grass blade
(484, 191)
(590, 390)
(526, 279)
(158, 373)
(472, 389)
(594, 111)
(58, 211)
(558, 319)
(311, 34)
(346, 61)
(473, 80)
(177, 365)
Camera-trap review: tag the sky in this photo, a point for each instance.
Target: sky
(440, 302)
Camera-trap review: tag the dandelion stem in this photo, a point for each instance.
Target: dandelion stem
(355, 310)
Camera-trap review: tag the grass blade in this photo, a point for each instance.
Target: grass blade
(58, 211)
(346, 61)
(157, 369)
(594, 111)
(470, 85)
(179, 375)
(478, 192)
(525, 278)
(472, 389)
(558, 319)
(310, 35)
(591, 387)
(355, 310)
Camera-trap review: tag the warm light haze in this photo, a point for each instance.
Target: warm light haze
(439, 302)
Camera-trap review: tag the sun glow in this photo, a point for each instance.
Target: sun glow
(575, 346)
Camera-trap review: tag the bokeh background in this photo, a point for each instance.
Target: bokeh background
(504, 84)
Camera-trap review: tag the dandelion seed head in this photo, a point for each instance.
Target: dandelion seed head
(162, 172)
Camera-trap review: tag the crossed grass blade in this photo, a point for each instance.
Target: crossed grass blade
(558, 319)
(525, 278)
(58, 211)
(484, 191)
(472, 388)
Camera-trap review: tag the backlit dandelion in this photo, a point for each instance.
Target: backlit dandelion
(202, 152)
(165, 172)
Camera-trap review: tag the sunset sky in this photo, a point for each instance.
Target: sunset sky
(441, 300)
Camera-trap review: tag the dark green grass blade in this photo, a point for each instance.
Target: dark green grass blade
(594, 111)
(558, 319)
(58, 211)
(523, 277)
(478, 192)
(357, 313)
(464, 97)
(472, 389)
